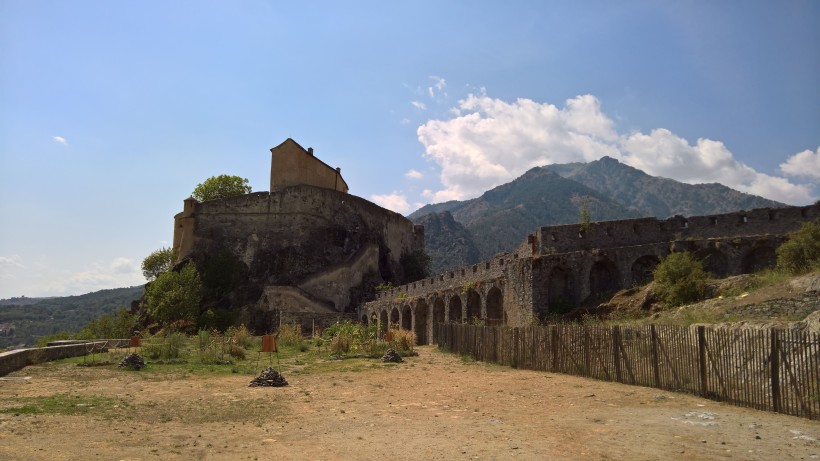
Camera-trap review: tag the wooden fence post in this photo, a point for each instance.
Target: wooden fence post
(556, 351)
(653, 335)
(514, 358)
(587, 361)
(704, 384)
(775, 361)
(616, 351)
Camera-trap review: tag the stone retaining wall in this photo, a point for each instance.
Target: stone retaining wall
(20, 358)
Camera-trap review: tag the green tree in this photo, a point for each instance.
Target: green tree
(174, 295)
(118, 324)
(586, 218)
(158, 262)
(680, 279)
(801, 253)
(222, 186)
(416, 265)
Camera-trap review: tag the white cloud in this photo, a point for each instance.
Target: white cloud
(438, 86)
(418, 105)
(806, 163)
(413, 174)
(488, 142)
(9, 266)
(60, 140)
(124, 265)
(394, 201)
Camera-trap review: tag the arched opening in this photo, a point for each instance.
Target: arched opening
(714, 262)
(438, 315)
(758, 259)
(603, 278)
(473, 305)
(394, 318)
(406, 318)
(420, 322)
(383, 324)
(642, 269)
(559, 290)
(364, 319)
(495, 308)
(455, 310)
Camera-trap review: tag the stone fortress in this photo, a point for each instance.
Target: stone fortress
(308, 251)
(557, 267)
(306, 248)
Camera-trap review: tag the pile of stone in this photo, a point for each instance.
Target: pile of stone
(269, 378)
(392, 356)
(133, 361)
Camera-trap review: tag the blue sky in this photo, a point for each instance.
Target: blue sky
(112, 112)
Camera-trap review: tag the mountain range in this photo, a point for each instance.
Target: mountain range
(459, 233)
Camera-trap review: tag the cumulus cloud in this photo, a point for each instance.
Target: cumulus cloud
(413, 174)
(418, 105)
(806, 163)
(60, 140)
(488, 142)
(395, 201)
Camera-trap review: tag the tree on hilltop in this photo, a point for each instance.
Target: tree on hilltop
(158, 262)
(222, 186)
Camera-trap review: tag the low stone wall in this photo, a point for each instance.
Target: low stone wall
(21, 358)
(797, 307)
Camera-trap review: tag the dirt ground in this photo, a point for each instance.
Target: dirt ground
(434, 406)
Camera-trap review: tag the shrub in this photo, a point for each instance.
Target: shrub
(289, 335)
(240, 336)
(680, 279)
(403, 340)
(801, 253)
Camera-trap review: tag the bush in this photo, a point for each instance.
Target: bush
(801, 253)
(174, 295)
(680, 279)
(289, 335)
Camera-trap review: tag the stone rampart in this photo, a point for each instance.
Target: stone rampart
(558, 267)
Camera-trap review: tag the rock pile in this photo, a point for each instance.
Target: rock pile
(269, 378)
(133, 361)
(392, 356)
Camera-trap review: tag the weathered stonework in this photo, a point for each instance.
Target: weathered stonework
(559, 266)
(300, 248)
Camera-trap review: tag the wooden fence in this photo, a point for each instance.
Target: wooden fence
(776, 370)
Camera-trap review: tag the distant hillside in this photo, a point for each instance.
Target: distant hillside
(23, 323)
(449, 244)
(502, 217)
(654, 196)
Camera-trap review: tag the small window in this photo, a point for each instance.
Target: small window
(554, 238)
(713, 221)
(475, 269)
(501, 262)
(684, 224)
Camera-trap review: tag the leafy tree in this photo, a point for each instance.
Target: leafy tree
(222, 186)
(174, 295)
(801, 253)
(416, 265)
(680, 279)
(158, 262)
(114, 325)
(586, 218)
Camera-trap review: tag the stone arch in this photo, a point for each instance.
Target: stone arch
(473, 305)
(759, 258)
(420, 322)
(455, 311)
(395, 317)
(438, 314)
(642, 269)
(714, 261)
(603, 277)
(364, 319)
(406, 318)
(559, 289)
(495, 307)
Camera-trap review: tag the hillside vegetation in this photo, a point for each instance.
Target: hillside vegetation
(22, 324)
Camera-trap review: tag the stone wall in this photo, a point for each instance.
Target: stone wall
(21, 358)
(560, 266)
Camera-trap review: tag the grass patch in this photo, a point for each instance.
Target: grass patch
(64, 404)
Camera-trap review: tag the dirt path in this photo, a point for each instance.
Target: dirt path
(434, 406)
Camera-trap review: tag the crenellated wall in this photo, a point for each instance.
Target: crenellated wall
(559, 266)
